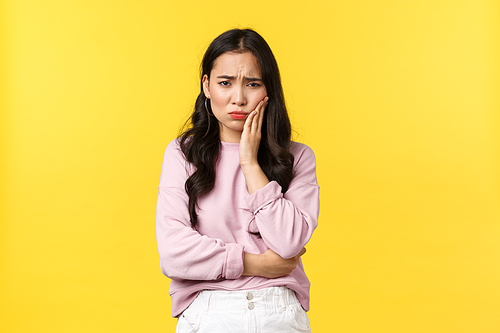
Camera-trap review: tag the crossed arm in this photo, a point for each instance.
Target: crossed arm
(285, 228)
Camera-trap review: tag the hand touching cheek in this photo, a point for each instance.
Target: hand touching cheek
(249, 148)
(251, 135)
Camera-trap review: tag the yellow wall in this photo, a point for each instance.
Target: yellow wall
(399, 100)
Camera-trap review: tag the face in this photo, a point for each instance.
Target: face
(235, 88)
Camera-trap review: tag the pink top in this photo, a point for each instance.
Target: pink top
(211, 257)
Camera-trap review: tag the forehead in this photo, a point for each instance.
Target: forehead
(234, 63)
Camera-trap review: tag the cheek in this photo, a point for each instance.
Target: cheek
(262, 93)
(218, 99)
(258, 96)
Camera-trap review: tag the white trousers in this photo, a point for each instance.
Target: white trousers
(274, 309)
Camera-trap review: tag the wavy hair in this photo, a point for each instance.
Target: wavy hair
(200, 143)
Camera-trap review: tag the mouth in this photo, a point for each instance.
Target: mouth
(238, 114)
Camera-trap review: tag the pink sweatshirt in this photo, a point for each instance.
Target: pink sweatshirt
(211, 257)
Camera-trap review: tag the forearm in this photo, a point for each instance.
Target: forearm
(269, 264)
(285, 226)
(251, 265)
(184, 252)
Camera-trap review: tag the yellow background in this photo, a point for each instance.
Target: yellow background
(398, 99)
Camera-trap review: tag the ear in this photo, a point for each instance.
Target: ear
(205, 84)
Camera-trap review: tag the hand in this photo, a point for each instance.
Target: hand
(251, 135)
(269, 264)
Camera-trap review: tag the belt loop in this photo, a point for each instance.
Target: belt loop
(279, 298)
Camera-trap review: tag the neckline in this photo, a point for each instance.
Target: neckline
(229, 146)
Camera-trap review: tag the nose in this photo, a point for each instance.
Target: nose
(239, 96)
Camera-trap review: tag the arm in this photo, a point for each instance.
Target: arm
(184, 253)
(269, 264)
(187, 255)
(285, 222)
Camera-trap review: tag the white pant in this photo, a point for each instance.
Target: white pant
(274, 309)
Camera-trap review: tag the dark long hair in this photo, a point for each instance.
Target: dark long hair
(201, 143)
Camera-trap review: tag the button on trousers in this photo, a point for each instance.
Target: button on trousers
(274, 309)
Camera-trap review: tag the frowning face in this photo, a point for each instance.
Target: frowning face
(234, 88)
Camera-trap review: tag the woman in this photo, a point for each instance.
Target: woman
(237, 200)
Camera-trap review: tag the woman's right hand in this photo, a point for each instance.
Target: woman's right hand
(269, 264)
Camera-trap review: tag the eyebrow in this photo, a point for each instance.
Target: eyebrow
(229, 77)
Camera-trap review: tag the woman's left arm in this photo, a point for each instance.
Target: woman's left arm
(285, 222)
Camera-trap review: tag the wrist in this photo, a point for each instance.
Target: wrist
(249, 165)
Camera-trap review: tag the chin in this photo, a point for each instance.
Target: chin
(235, 127)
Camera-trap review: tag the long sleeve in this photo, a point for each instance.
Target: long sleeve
(286, 222)
(211, 257)
(184, 253)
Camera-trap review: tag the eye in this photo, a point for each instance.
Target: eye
(253, 84)
(224, 83)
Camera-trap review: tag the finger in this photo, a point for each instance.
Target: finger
(252, 118)
(261, 105)
(261, 114)
(255, 120)
(302, 252)
(248, 122)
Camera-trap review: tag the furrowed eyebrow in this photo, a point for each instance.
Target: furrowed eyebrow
(229, 77)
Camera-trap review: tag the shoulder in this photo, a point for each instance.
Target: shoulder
(174, 164)
(302, 153)
(174, 147)
(173, 152)
(304, 164)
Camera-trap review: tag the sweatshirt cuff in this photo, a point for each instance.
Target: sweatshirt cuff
(233, 266)
(269, 193)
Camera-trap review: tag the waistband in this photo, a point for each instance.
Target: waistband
(267, 299)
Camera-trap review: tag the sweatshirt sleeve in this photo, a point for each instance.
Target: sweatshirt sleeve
(184, 253)
(286, 221)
